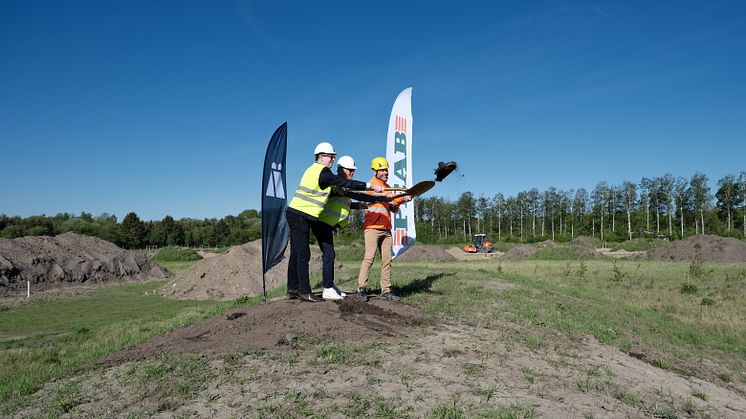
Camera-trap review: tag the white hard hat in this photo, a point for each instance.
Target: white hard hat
(324, 148)
(347, 162)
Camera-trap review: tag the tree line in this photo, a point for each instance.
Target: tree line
(663, 207)
(132, 232)
(660, 207)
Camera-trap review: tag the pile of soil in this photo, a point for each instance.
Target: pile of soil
(424, 253)
(527, 250)
(709, 248)
(587, 242)
(235, 274)
(279, 324)
(68, 259)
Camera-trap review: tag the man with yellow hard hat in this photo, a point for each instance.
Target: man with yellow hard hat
(377, 233)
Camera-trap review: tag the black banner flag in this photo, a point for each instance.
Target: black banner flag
(274, 202)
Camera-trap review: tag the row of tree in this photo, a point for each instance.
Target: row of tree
(132, 232)
(664, 206)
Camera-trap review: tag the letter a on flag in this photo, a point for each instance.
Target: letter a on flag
(274, 201)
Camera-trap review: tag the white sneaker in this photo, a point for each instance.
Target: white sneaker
(330, 294)
(339, 291)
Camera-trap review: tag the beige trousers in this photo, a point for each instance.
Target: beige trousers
(376, 240)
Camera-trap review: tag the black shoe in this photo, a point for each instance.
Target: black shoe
(293, 295)
(310, 298)
(362, 294)
(389, 296)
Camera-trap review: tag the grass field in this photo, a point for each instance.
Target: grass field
(676, 314)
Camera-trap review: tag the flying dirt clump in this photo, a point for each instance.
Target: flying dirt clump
(68, 259)
(235, 274)
(709, 248)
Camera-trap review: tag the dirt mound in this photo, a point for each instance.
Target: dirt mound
(423, 253)
(527, 250)
(707, 248)
(235, 274)
(587, 242)
(278, 324)
(70, 258)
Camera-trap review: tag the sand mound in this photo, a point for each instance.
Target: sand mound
(278, 325)
(70, 258)
(424, 252)
(235, 274)
(587, 242)
(708, 248)
(527, 250)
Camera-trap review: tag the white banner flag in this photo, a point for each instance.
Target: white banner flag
(399, 155)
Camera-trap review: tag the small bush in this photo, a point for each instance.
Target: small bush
(687, 288)
(697, 268)
(707, 302)
(176, 254)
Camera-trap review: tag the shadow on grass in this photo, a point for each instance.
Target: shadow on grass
(419, 286)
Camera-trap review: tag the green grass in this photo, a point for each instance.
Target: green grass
(48, 339)
(176, 254)
(637, 245)
(635, 305)
(176, 267)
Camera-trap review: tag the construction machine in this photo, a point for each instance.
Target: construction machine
(652, 234)
(479, 245)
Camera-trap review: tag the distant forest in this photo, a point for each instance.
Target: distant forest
(660, 207)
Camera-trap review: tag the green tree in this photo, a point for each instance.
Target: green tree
(133, 230)
(728, 198)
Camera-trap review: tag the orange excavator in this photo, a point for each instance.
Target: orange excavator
(480, 245)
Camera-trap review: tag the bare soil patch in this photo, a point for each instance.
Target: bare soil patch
(279, 323)
(459, 254)
(50, 263)
(709, 248)
(235, 274)
(424, 253)
(620, 254)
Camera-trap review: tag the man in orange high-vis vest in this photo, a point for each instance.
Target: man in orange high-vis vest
(377, 234)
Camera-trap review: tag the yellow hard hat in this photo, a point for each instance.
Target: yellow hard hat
(379, 163)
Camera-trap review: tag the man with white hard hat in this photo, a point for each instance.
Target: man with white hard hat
(303, 217)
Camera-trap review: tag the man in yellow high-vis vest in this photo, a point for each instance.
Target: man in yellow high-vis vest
(303, 217)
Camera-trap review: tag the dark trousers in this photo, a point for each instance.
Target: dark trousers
(325, 235)
(300, 227)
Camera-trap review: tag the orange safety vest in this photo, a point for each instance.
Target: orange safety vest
(378, 215)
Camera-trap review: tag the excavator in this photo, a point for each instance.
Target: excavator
(479, 245)
(652, 234)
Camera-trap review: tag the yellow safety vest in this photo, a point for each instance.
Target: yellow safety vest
(336, 211)
(309, 197)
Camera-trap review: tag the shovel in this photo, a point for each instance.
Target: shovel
(416, 190)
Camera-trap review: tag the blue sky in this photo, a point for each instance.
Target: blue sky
(166, 108)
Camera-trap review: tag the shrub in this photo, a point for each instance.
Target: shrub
(687, 288)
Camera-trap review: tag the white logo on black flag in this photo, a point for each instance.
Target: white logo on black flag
(274, 202)
(275, 188)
